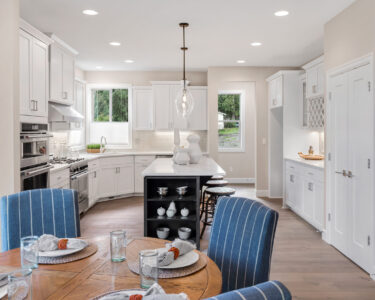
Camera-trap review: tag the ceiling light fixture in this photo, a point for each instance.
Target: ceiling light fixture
(90, 12)
(129, 61)
(241, 61)
(256, 44)
(281, 13)
(184, 100)
(115, 43)
(98, 67)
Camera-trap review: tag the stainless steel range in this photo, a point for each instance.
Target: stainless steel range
(78, 179)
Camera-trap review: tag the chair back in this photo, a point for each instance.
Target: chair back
(38, 212)
(241, 241)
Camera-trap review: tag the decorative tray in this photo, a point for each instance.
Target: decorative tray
(311, 157)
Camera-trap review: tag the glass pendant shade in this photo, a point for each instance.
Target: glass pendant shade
(184, 102)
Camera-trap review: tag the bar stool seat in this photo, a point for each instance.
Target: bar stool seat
(212, 183)
(217, 177)
(210, 204)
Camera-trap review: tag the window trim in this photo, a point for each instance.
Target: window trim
(241, 121)
(90, 111)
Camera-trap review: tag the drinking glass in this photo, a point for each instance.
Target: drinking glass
(29, 252)
(19, 284)
(148, 268)
(118, 245)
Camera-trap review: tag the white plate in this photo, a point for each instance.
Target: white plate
(57, 253)
(182, 261)
(128, 293)
(3, 291)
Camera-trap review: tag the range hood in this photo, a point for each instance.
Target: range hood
(63, 113)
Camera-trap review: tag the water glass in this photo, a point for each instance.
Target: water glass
(29, 252)
(19, 284)
(148, 268)
(118, 245)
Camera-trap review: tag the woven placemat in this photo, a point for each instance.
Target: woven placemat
(171, 273)
(88, 251)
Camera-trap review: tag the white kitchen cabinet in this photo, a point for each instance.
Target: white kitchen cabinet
(125, 179)
(94, 175)
(143, 108)
(61, 72)
(33, 75)
(275, 92)
(108, 182)
(198, 118)
(163, 111)
(60, 179)
(315, 78)
(140, 163)
(304, 192)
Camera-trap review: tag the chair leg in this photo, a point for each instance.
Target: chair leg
(203, 201)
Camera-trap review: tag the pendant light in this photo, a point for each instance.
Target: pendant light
(184, 99)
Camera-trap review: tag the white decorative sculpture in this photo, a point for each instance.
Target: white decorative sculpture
(182, 156)
(195, 151)
(171, 211)
(184, 212)
(161, 211)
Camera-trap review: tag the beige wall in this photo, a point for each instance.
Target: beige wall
(144, 77)
(350, 35)
(79, 74)
(253, 161)
(9, 97)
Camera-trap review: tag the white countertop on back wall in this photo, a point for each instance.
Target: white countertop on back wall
(313, 163)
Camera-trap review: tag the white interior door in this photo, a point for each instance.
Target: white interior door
(361, 149)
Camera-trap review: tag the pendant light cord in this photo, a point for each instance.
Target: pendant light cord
(184, 48)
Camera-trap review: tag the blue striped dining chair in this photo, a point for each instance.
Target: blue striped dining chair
(36, 212)
(241, 241)
(270, 290)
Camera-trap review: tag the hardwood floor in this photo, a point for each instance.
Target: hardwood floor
(309, 267)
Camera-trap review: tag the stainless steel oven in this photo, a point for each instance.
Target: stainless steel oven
(79, 181)
(36, 177)
(34, 145)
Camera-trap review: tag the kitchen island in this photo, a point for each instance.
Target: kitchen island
(164, 173)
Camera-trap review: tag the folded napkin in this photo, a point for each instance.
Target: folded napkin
(155, 292)
(48, 242)
(178, 248)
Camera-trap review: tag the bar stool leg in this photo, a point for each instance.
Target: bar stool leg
(203, 201)
(205, 210)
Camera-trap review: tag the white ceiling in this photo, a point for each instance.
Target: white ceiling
(220, 31)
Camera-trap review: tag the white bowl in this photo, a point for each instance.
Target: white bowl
(184, 233)
(162, 232)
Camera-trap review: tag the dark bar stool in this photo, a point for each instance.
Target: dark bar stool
(209, 205)
(210, 183)
(217, 177)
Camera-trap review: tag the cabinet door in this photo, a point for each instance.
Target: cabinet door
(272, 93)
(293, 192)
(56, 73)
(68, 78)
(79, 97)
(319, 206)
(312, 81)
(26, 106)
(93, 187)
(39, 77)
(320, 79)
(163, 119)
(308, 199)
(125, 179)
(138, 178)
(198, 118)
(108, 182)
(143, 112)
(279, 91)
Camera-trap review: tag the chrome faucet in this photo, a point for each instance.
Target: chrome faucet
(102, 145)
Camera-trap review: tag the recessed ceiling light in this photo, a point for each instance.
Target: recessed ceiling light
(240, 61)
(90, 12)
(256, 44)
(99, 67)
(115, 43)
(281, 13)
(129, 61)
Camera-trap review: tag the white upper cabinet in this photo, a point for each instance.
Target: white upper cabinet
(166, 117)
(143, 108)
(315, 78)
(34, 74)
(61, 72)
(275, 91)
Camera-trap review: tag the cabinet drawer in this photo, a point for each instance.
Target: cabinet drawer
(313, 174)
(65, 184)
(93, 164)
(144, 159)
(116, 161)
(59, 177)
(291, 166)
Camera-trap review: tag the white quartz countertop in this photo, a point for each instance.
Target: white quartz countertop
(90, 156)
(59, 167)
(314, 163)
(165, 167)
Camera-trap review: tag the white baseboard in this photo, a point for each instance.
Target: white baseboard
(262, 193)
(240, 180)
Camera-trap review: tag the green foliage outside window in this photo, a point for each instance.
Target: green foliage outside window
(120, 105)
(101, 106)
(229, 105)
(103, 101)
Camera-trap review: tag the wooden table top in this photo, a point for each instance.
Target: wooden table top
(96, 274)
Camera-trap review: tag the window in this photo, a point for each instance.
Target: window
(110, 117)
(230, 121)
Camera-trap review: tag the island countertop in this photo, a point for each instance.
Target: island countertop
(165, 167)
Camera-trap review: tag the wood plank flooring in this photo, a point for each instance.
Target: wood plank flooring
(309, 267)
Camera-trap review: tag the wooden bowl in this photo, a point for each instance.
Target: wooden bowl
(311, 157)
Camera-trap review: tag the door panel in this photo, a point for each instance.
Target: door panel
(68, 78)
(360, 144)
(56, 73)
(143, 109)
(163, 120)
(25, 68)
(125, 180)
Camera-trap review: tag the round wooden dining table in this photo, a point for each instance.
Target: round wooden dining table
(96, 274)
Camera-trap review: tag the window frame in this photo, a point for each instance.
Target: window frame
(90, 111)
(241, 121)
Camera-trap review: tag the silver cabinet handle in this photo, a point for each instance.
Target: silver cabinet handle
(311, 186)
(350, 174)
(36, 105)
(291, 178)
(94, 174)
(343, 173)
(314, 89)
(64, 95)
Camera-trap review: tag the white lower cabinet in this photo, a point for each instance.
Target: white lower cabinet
(304, 192)
(140, 163)
(60, 179)
(125, 179)
(94, 175)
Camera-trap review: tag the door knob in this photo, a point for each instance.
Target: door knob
(350, 174)
(343, 173)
